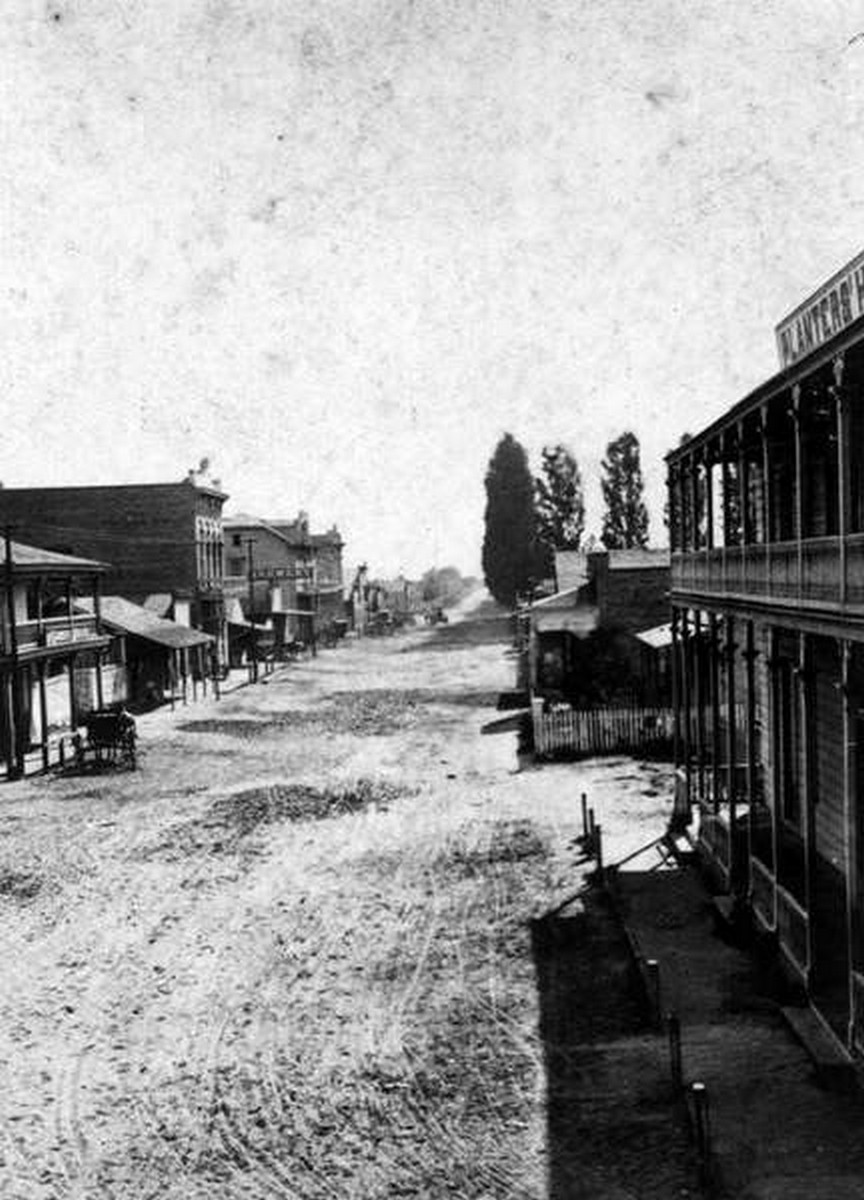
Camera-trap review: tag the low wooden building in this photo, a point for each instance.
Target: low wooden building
(55, 662)
(163, 660)
(584, 645)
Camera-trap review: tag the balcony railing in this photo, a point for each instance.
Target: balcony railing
(806, 572)
(56, 631)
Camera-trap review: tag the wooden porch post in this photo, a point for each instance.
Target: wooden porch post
(676, 690)
(776, 768)
(805, 744)
(43, 714)
(714, 683)
(69, 613)
(767, 491)
(799, 485)
(731, 781)
(699, 688)
(750, 655)
(672, 493)
(850, 821)
(97, 612)
(844, 499)
(686, 700)
(745, 532)
(725, 515)
(73, 704)
(15, 764)
(694, 501)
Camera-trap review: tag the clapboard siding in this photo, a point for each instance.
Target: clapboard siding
(827, 777)
(764, 754)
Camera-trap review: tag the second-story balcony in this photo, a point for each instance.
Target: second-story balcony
(38, 639)
(815, 572)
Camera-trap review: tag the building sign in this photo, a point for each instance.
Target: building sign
(827, 312)
(62, 635)
(268, 574)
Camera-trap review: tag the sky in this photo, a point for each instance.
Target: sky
(339, 247)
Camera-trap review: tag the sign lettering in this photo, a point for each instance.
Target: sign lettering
(828, 311)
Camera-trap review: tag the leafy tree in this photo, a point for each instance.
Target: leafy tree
(444, 585)
(625, 524)
(560, 500)
(509, 540)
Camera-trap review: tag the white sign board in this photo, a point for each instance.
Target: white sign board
(834, 306)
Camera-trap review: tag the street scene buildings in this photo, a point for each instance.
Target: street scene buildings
(767, 529)
(158, 612)
(451, 787)
(708, 693)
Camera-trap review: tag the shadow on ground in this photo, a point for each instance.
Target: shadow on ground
(613, 1130)
(487, 625)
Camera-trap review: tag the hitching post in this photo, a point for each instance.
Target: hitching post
(652, 967)
(703, 1129)
(673, 1024)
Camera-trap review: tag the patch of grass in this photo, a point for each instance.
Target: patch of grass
(19, 885)
(510, 842)
(231, 820)
(370, 713)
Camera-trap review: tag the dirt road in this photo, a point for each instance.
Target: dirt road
(291, 954)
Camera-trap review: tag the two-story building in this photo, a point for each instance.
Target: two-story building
(56, 664)
(163, 541)
(766, 509)
(280, 574)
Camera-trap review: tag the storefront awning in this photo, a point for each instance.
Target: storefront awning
(123, 616)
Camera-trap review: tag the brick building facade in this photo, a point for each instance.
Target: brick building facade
(159, 539)
(276, 570)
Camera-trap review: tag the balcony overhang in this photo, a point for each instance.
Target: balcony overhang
(56, 651)
(782, 382)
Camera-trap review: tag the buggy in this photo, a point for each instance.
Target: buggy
(109, 740)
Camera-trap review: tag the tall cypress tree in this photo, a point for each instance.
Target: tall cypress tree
(625, 524)
(509, 540)
(560, 500)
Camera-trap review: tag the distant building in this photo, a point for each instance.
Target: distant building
(55, 664)
(588, 642)
(162, 540)
(280, 574)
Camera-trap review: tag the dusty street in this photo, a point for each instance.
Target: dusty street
(291, 955)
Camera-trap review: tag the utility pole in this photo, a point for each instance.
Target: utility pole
(9, 697)
(253, 646)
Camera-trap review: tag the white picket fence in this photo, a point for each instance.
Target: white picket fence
(601, 730)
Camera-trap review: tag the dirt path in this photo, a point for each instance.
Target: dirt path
(291, 954)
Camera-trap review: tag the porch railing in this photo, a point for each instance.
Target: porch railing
(55, 631)
(809, 572)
